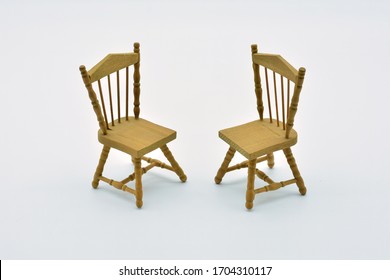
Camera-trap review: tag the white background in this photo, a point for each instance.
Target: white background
(196, 78)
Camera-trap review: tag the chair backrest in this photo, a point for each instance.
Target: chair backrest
(100, 73)
(281, 100)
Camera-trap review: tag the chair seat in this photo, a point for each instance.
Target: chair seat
(258, 138)
(136, 137)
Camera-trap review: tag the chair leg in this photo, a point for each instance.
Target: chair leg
(99, 168)
(167, 153)
(295, 171)
(224, 166)
(138, 182)
(250, 191)
(270, 160)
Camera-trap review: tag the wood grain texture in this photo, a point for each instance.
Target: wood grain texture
(257, 138)
(112, 63)
(250, 190)
(277, 64)
(225, 164)
(93, 98)
(100, 167)
(136, 137)
(132, 135)
(137, 85)
(260, 139)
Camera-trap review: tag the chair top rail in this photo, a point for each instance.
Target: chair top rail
(277, 64)
(112, 63)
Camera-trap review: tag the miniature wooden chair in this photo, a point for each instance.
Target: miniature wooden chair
(259, 139)
(131, 135)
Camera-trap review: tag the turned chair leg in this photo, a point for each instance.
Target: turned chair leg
(138, 181)
(295, 171)
(100, 167)
(224, 166)
(270, 160)
(250, 191)
(167, 153)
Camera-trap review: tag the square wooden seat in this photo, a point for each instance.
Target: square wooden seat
(136, 137)
(259, 139)
(131, 135)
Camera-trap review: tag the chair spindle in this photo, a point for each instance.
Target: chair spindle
(102, 99)
(93, 98)
(269, 99)
(276, 99)
(282, 89)
(258, 90)
(288, 97)
(295, 100)
(136, 78)
(127, 93)
(109, 91)
(118, 96)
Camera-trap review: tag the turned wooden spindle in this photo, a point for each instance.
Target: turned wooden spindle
(268, 97)
(250, 191)
(136, 78)
(258, 90)
(294, 168)
(295, 100)
(93, 98)
(224, 166)
(167, 153)
(118, 96)
(270, 160)
(102, 99)
(138, 181)
(100, 167)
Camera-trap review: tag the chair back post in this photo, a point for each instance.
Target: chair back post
(295, 100)
(136, 79)
(93, 98)
(258, 90)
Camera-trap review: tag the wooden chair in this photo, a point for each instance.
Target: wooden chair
(131, 135)
(259, 139)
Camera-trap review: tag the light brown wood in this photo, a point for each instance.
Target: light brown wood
(250, 191)
(137, 137)
(112, 63)
(295, 171)
(93, 98)
(138, 182)
(225, 164)
(102, 99)
(277, 64)
(268, 96)
(176, 167)
(270, 160)
(258, 140)
(100, 167)
(136, 77)
(258, 90)
(276, 100)
(132, 135)
(294, 101)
